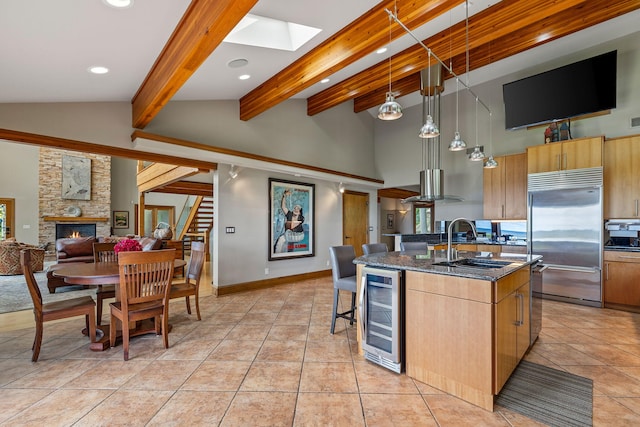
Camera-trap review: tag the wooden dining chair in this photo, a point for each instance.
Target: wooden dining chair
(44, 312)
(190, 287)
(145, 280)
(103, 252)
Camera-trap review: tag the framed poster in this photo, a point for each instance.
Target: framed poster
(291, 219)
(120, 219)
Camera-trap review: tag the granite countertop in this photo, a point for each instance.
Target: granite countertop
(424, 262)
(622, 248)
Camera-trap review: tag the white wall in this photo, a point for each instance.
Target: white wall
(19, 181)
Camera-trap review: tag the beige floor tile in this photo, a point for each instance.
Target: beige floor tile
(259, 317)
(108, 374)
(288, 333)
(273, 376)
(608, 354)
(332, 377)
(54, 374)
(328, 409)
(281, 351)
(260, 409)
(249, 332)
(292, 318)
(236, 350)
(190, 350)
(614, 412)
(564, 355)
(154, 376)
(396, 410)
(217, 376)
(327, 351)
(60, 408)
(193, 409)
(15, 400)
(451, 411)
(376, 379)
(608, 381)
(12, 369)
(126, 408)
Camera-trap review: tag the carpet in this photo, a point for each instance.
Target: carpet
(547, 395)
(14, 294)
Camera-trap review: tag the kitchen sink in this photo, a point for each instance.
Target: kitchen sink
(474, 263)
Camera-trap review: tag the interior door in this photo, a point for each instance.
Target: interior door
(7, 215)
(355, 219)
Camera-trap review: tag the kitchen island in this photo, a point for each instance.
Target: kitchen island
(466, 326)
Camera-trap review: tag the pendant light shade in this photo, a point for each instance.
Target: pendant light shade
(457, 144)
(390, 110)
(490, 163)
(429, 129)
(477, 155)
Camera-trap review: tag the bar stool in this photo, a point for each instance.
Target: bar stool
(344, 278)
(374, 248)
(413, 246)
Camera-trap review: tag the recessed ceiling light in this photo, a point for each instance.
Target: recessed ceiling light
(244, 77)
(325, 81)
(118, 4)
(381, 50)
(98, 69)
(237, 63)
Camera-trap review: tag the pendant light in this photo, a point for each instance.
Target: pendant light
(477, 155)
(429, 129)
(490, 163)
(457, 144)
(390, 110)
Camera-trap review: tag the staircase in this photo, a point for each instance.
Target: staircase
(199, 223)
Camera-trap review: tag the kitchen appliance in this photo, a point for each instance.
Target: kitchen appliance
(623, 233)
(565, 227)
(381, 319)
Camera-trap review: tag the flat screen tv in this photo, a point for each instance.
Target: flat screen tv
(583, 87)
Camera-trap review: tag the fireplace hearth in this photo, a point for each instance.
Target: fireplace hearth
(75, 230)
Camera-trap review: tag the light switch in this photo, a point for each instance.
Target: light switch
(230, 230)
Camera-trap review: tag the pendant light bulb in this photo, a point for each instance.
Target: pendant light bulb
(390, 110)
(490, 163)
(477, 155)
(429, 129)
(457, 144)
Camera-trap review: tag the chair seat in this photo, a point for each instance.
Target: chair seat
(80, 302)
(182, 290)
(143, 309)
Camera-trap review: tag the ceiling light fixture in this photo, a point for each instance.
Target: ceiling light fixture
(98, 69)
(118, 4)
(429, 129)
(244, 77)
(390, 110)
(491, 162)
(457, 144)
(324, 81)
(233, 172)
(477, 155)
(341, 188)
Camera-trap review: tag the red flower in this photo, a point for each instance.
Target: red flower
(127, 245)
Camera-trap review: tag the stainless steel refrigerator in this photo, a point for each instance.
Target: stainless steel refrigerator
(565, 227)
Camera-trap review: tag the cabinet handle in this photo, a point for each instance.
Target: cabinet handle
(519, 310)
(607, 272)
(636, 207)
(504, 215)
(558, 162)
(564, 157)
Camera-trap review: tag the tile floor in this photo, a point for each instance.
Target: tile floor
(266, 358)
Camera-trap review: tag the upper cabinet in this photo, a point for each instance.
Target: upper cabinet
(621, 179)
(505, 188)
(571, 154)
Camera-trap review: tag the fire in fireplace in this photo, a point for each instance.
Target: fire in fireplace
(75, 230)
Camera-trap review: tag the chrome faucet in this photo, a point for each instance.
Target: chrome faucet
(449, 246)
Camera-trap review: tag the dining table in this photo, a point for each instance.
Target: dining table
(99, 274)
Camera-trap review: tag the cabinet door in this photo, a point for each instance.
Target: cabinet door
(621, 179)
(544, 158)
(506, 340)
(515, 187)
(582, 153)
(621, 283)
(523, 329)
(493, 185)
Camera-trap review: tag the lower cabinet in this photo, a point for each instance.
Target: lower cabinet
(621, 280)
(466, 336)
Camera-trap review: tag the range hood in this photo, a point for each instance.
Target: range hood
(431, 175)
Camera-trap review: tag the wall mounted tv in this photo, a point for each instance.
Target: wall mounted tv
(583, 87)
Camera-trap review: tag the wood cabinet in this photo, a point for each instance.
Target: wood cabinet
(564, 155)
(452, 340)
(621, 280)
(505, 188)
(622, 177)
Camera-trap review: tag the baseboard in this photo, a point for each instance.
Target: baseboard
(269, 283)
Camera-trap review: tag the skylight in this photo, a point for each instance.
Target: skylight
(254, 30)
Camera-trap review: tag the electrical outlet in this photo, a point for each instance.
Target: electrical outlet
(230, 230)
(266, 271)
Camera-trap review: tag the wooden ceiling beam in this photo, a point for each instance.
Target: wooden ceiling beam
(202, 28)
(187, 187)
(358, 39)
(574, 19)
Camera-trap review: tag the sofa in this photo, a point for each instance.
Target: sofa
(80, 249)
(10, 257)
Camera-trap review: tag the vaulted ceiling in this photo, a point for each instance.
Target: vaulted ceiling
(164, 50)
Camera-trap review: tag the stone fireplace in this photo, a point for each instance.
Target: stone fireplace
(75, 230)
(54, 210)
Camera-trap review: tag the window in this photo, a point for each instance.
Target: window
(423, 215)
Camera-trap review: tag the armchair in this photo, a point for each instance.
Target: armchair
(10, 257)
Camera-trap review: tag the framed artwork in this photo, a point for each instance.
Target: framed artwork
(120, 219)
(76, 178)
(291, 219)
(390, 221)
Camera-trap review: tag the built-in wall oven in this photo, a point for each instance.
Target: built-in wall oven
(381, 306)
